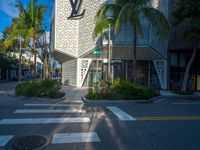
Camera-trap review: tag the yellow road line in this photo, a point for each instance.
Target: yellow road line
(169, 118)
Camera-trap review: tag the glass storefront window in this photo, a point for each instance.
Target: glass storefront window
(182, 60)
(174, 60)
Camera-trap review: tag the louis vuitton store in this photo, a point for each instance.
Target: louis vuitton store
(84, 60)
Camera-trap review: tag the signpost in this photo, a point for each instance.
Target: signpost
(97, 52)
(96, 77)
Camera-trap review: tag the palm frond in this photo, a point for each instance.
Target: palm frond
(100, 26)
(101, 21)
(158, 21)
(122, 16)
(135, 20)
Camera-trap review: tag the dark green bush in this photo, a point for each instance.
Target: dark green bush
(120, 89)
(40, 88)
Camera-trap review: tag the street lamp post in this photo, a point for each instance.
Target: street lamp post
(20, 56)
(109, 47)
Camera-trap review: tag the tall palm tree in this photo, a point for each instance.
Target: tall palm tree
(32, 17)
(124, 11)
(15, 31)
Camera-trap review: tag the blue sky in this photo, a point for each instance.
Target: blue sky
(8, 11)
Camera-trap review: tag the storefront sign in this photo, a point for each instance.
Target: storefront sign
(76, 6)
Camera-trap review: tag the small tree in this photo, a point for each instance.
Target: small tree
(189, 11)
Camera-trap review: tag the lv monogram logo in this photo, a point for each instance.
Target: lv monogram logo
(75, 13)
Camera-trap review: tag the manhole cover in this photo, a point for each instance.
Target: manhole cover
(29, 142)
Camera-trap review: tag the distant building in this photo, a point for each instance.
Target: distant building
(73, 46)
(180, 52)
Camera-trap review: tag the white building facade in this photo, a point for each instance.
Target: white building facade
(72, 45)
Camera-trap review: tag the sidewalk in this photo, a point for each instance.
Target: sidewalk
(8, 85)
(167, 93)
(195, 96)
(73, 93)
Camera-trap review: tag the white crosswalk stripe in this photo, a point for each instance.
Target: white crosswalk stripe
(121, 114)
(61, 138)
(1, 92)
(4, 139)
(49, 111)
(53, 105)
(43, 121)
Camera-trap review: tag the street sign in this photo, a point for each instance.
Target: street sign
(97, 52)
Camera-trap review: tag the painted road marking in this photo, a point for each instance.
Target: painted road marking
(52, 105)
(186, 103)
(168, 118)
(61, 138)
(43, 121)
(4, 139)
(49, 111)
(121, 114)
(72, 101)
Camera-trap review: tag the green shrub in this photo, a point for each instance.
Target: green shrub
(120, 89)
(40, 88)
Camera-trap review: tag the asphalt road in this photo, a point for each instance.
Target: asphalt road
(168, 124)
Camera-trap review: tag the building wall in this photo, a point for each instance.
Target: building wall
(66, 31)
(74, 37)
(69, 72)
(86, 26)
(52, 34)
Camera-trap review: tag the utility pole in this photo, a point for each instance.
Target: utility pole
(110, 19)
(20, 56)
(109, 49)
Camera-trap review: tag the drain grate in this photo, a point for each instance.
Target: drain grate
(29, 142)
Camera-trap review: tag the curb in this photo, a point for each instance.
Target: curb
(120, 101)
(34, 98)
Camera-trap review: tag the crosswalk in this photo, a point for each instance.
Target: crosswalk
(57, 138)
(75, 137)
(1, 92)
(68, 108)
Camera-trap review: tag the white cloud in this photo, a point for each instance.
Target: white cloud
(8, 7)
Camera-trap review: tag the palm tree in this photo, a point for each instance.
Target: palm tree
(124, 11)
(188, 11)
(32, 18)
(15, 31)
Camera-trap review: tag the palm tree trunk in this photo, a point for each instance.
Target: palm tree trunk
(134, 54)
(187, 70)
(35, 61)
(46, 68)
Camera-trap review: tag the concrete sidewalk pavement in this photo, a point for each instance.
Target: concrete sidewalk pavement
(73, 93)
